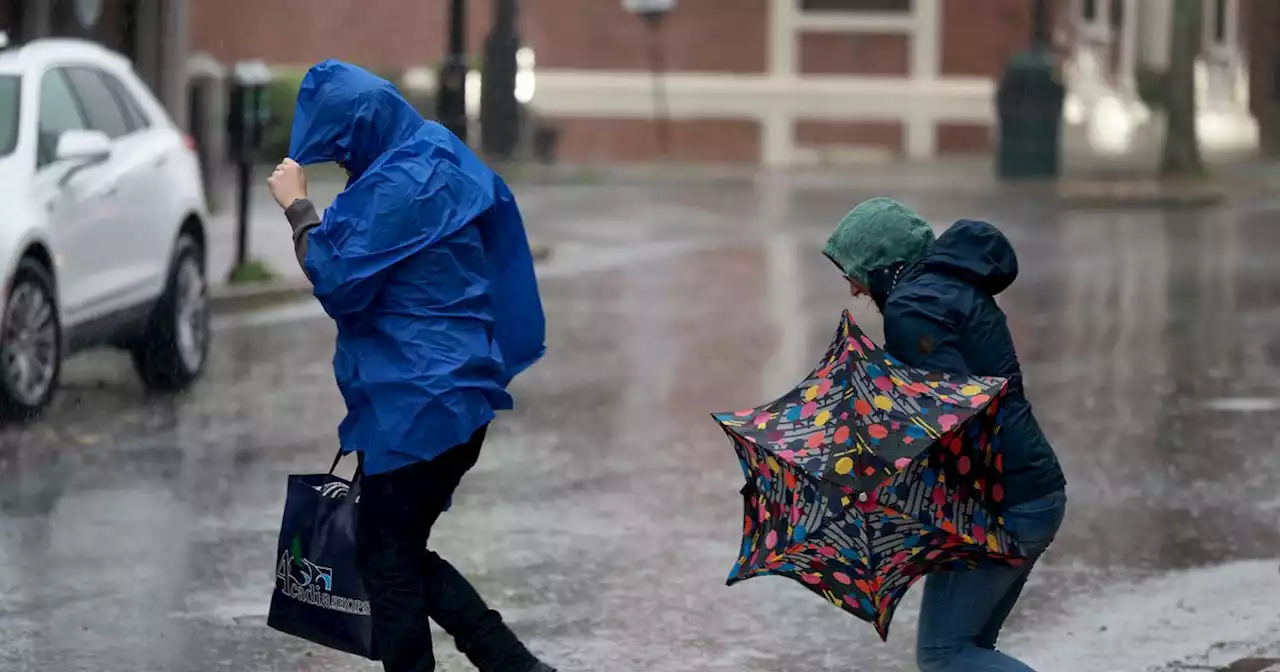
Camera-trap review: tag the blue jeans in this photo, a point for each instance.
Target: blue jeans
(963, 611)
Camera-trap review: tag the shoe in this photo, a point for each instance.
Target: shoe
(542, 667)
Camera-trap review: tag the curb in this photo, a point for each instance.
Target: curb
(1253, 665)
(641, 174)
(253, 295)
(1146, 195)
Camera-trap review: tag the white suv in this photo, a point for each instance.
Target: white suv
(102, 213)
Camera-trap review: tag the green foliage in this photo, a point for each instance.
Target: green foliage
(282, 94)
(254, 270)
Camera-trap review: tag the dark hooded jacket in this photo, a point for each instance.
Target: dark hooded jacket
(940, 314)
(423, 263)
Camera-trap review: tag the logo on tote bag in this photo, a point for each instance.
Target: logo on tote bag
(305, 581)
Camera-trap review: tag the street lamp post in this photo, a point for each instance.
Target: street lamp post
(499, 110)
(451, 100)
(1040, 24)
(653, 12)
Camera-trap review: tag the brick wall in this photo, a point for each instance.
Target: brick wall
(979, 37)
(379, 34)
(886, 134)
(963, 138)
(586, 141)
(707, 35)
(854, 54)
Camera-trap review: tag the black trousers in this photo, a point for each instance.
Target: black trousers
(408, 584)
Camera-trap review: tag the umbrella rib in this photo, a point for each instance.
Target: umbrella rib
(928, 430)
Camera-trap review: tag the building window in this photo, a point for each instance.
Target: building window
(1220, 21)
(88, 12)
(1089, 10)
(882, 6)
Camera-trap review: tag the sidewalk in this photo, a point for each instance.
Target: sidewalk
(1092, 183)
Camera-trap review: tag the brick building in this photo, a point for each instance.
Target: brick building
(771, 81)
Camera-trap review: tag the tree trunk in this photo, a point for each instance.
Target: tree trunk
(1181, 156)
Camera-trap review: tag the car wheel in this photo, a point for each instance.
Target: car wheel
(172, 353)
(30, 343)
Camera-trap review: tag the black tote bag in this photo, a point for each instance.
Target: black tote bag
(318, 594)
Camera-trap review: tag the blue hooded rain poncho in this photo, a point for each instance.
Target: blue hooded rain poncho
(423, 263)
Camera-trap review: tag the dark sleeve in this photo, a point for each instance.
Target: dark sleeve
(923, 331)
(302, 217)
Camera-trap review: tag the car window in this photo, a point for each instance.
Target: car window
(100, 104)
(136, 118)
(59, 112)
(10, 92)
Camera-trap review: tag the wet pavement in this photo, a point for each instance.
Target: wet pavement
(138, 532)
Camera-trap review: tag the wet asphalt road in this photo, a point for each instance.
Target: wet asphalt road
(138, 532)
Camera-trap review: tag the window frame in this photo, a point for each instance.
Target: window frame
(56, 71)
(832, 7)
(17, 115)
(128, 101)
(112, 98)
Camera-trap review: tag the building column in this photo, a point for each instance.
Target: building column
(782, 38)
(776, 141)
(163, 36)
(7, 32)
(175, 43)
(1154, 33)
(37, 19)
(921, 138)
(147, 49)
(1128, 62)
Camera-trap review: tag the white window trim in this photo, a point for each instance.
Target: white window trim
(859, 22)
(1230, 44)
(922, 26)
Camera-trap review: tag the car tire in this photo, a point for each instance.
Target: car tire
(30, 343)
(171, 354)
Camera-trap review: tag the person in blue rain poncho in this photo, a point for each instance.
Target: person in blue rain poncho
(423, 263)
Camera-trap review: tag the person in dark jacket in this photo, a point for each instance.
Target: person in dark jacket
(423, 263)
(937, 297)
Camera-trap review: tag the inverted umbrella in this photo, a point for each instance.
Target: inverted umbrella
(870, 475)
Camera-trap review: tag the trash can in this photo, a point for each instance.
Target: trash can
(1029, 105)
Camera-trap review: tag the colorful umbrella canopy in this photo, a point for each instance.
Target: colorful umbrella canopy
(870, 475)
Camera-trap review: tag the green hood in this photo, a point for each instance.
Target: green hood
(878, 233)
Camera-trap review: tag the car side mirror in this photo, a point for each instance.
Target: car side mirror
(81, 149)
